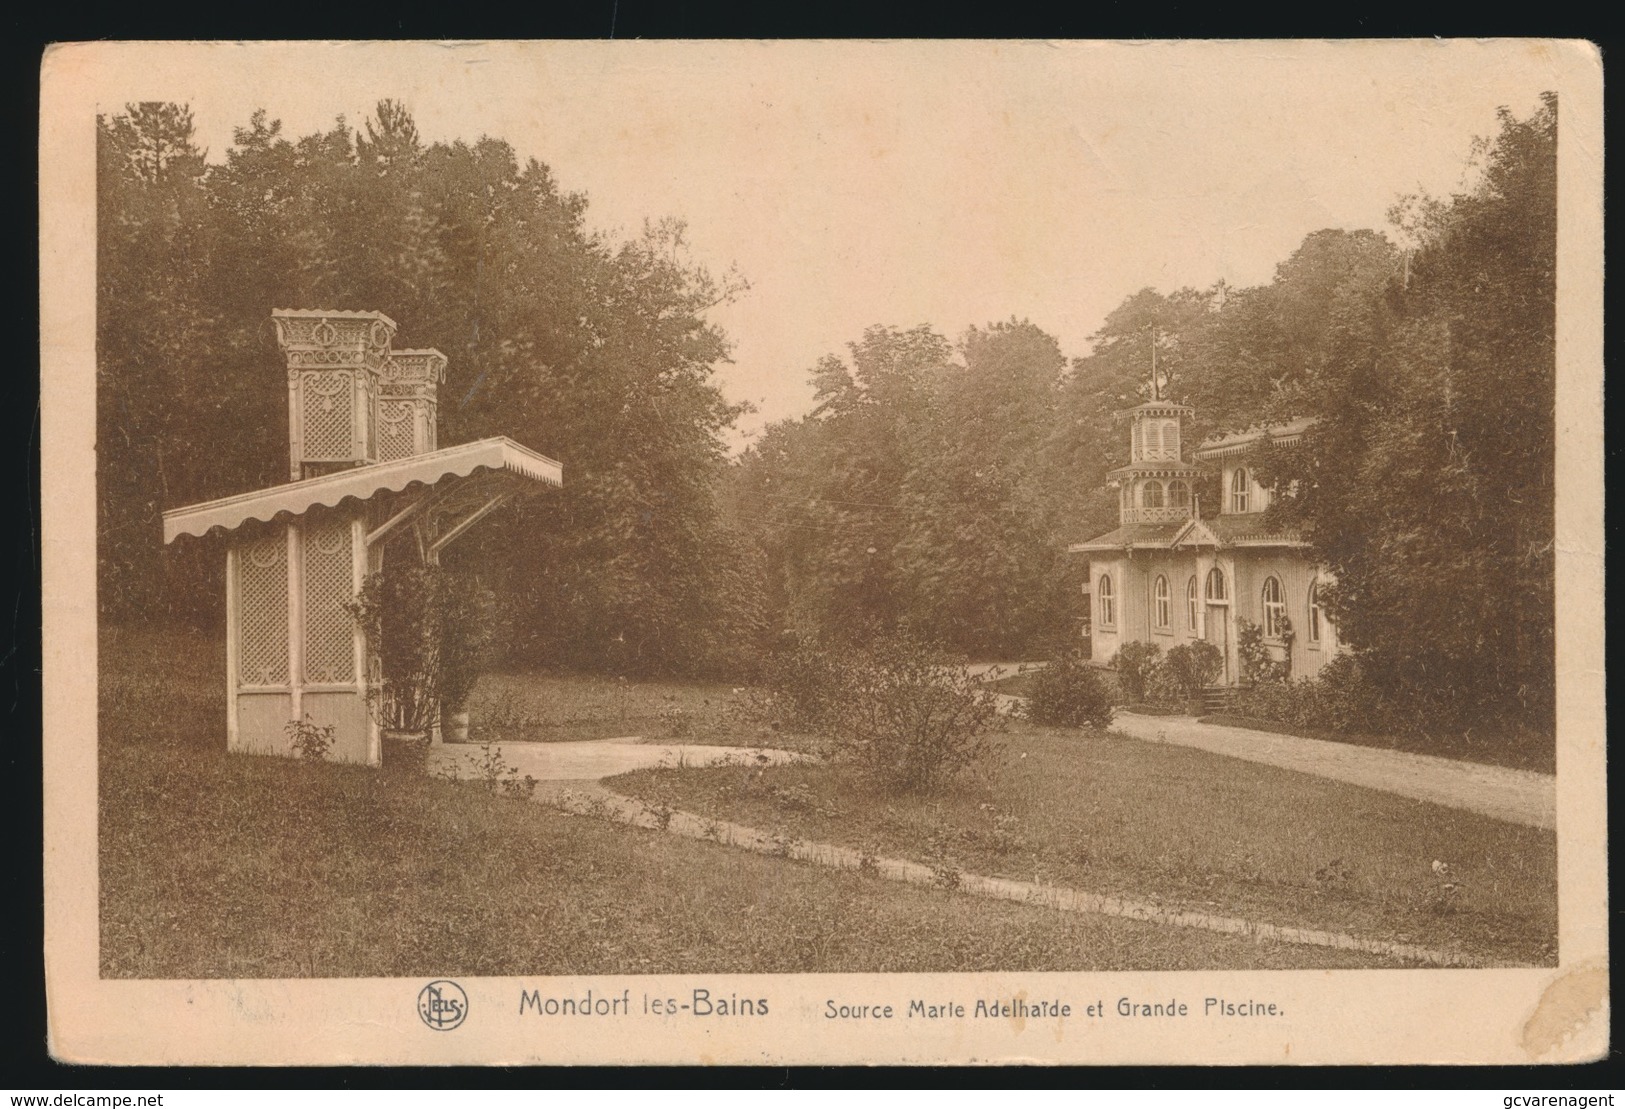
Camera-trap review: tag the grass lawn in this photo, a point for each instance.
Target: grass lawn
(1183, 827)
(271, 868)
(216, 865)
(547, 707)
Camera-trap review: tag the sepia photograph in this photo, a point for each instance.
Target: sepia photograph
(806, 552)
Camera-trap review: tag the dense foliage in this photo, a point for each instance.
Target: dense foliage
(936, 485)
(1182, 674)
(1340, 698)
(1070, 693)
(909, 715)
(433, 631)
(1431, 495)
(593, 351)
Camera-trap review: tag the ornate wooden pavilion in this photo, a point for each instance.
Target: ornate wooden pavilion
(366, 476)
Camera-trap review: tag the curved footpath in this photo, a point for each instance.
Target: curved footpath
(1516, 796)
(1506, 794)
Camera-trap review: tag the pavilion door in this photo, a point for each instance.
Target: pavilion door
(1217, 632)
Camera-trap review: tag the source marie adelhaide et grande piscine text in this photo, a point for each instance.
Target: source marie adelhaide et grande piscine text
(705, 1002)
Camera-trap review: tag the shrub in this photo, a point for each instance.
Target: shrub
(1134, 663)
(907, 714)
(1070, 693)
(806, 681)
(433, 631)
(310, 741)
(1183, 672)
(1341, 698)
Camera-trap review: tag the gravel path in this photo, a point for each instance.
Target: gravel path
(1517, 796)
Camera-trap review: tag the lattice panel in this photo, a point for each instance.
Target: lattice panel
(394, 430)
(262, 606)
(329, 586)
(329, 416)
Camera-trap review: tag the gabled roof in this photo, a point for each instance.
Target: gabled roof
(497, 455)
(1240, 530)
(1244, 529)
(1129, 536)
(1239, 442)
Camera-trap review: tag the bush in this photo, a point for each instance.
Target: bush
(806, 683)
(906, 713)
(1341, 698)
(433, 631)
(1070, 693)
(1184, 672)
(1134, 663)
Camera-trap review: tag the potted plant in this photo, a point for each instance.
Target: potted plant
(430, 630)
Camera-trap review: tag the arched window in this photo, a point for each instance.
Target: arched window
(1274, 609)
(1160, 602)
(1179, 494)
(1153, 438)
(1239, 489)
(1151, 495)
(1170, 438)
(1190, 603)
(1215, 585)
(1105, 601)
(1314, 612)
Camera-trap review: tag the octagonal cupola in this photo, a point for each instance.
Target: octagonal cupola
(1157, 485)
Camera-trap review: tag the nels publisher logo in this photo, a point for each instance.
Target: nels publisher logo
(442, 1005)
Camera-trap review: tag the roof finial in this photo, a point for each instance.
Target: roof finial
(1156, 390)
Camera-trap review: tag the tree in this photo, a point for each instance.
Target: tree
(153, 332)
(824, 494)
(978, 562)
(599, 352)
(1428, 488)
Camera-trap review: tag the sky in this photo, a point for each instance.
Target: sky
(954, 184)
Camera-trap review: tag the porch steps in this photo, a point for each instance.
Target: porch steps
(1216, 699)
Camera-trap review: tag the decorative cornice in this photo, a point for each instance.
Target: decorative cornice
(331, 337)
(413, 373)
(1156, 469)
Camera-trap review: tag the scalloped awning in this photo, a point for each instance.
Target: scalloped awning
(498, 455)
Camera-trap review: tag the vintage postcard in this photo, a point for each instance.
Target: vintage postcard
(824, 552)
